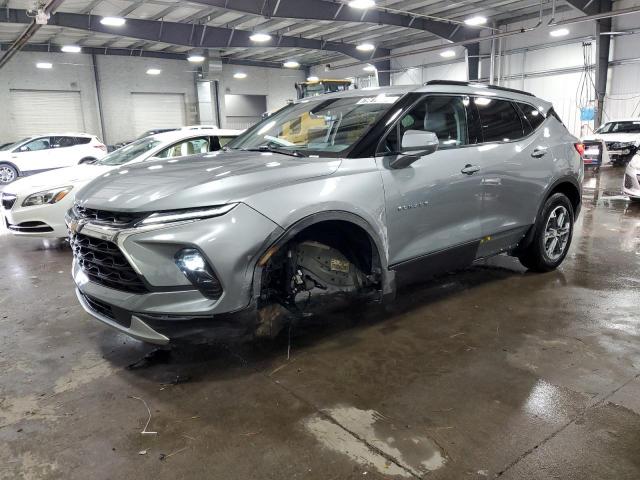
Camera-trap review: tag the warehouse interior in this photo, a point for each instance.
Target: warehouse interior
(491, 371)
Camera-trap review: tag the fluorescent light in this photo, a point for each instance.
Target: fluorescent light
(240, 75)
(195, 58)
(482, 101)
(477, 20)
(154, 71)
(45, 65)
(448, 53)
(362, 4)
(312, 78)
(113, 21)
(290, 64)
(366, 47)
(369, 68)
(560, 32)
(71, 49)
(260, 37)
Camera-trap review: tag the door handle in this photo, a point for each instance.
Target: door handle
(539, 152)
(470, 169)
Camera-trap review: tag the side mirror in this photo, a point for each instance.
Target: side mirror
(415, 144)
(24, 148)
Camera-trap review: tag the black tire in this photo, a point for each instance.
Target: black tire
(536, 255)
(8, 174)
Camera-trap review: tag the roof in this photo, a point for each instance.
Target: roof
(392, 24)
(183, 134)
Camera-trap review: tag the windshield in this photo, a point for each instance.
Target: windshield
(620, 127)
(327, 126)
(129, 152)
(10, 146)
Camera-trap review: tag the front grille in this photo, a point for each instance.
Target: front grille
(117, 219)
(8, 201)
(103, 262)
(628, 181)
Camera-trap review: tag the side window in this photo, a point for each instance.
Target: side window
(82, 140)
(445, 116)
(192, 146)
(532, 115)
(35, 145)
(500, 120)
(62, 142)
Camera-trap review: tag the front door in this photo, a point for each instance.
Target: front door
(433, 206)
(34, 156)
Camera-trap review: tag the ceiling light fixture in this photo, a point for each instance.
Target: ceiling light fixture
(44, 65)
(477, 20)
(448, 53)
(369, 68)
(560, 32)
(260, 37)
(196, 58)
(240, 75)
(312, 78)
(362, 4)
(113, 21)
(71, 49)
(290, 64)
(366, 47)
(154, 71)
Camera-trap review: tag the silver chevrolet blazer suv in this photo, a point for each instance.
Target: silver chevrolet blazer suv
(337, 196)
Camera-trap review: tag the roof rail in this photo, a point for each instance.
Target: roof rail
(471, 84)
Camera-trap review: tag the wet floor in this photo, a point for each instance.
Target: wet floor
(492, 372)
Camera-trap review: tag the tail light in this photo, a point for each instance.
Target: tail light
(579, 148)
(101, 147)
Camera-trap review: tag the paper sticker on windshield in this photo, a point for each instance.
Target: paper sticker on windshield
(382, 98)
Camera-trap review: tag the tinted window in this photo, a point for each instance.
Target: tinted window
(500, 120)
(62, 142)
(82, 140)
(533, 117)
(444, 116)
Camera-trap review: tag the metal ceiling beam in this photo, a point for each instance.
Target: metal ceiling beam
(590, 7)
(190, 35)
(49, 8)
(338, 12)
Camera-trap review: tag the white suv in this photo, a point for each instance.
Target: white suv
(47, 152)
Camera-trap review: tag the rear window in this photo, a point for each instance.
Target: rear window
(500, 120)
(532, 115)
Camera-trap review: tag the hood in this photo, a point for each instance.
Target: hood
(613, 137)
(198, 181)
(60, 177)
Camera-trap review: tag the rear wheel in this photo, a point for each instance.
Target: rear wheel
(7, 173)
(552, 236)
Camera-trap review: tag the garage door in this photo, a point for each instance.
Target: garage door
(157, 110)
(34, 112)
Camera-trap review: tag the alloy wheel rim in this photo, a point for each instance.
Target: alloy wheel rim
(6, 175)
(556, 232)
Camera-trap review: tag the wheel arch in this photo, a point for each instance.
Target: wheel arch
(11, 164)
(334, 217)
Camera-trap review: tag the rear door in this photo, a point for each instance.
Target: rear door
(514, 169)
(64, 152)
(432, 206)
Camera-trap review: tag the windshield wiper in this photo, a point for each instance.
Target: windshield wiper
(266, 148)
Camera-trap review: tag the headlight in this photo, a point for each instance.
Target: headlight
(182, 215)
(48, 196)
(198, 271)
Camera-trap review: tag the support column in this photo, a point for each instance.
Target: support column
(384, 72)
(603, 44)
(473, 61)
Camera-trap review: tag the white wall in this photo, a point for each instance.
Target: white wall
(119, 76)
(70, 72)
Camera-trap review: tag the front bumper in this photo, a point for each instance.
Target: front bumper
(631, 182)
(44, 221)
(172, 307)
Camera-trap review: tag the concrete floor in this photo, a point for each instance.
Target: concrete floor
(489, 372)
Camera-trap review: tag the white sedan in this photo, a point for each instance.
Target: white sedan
(35, 206)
